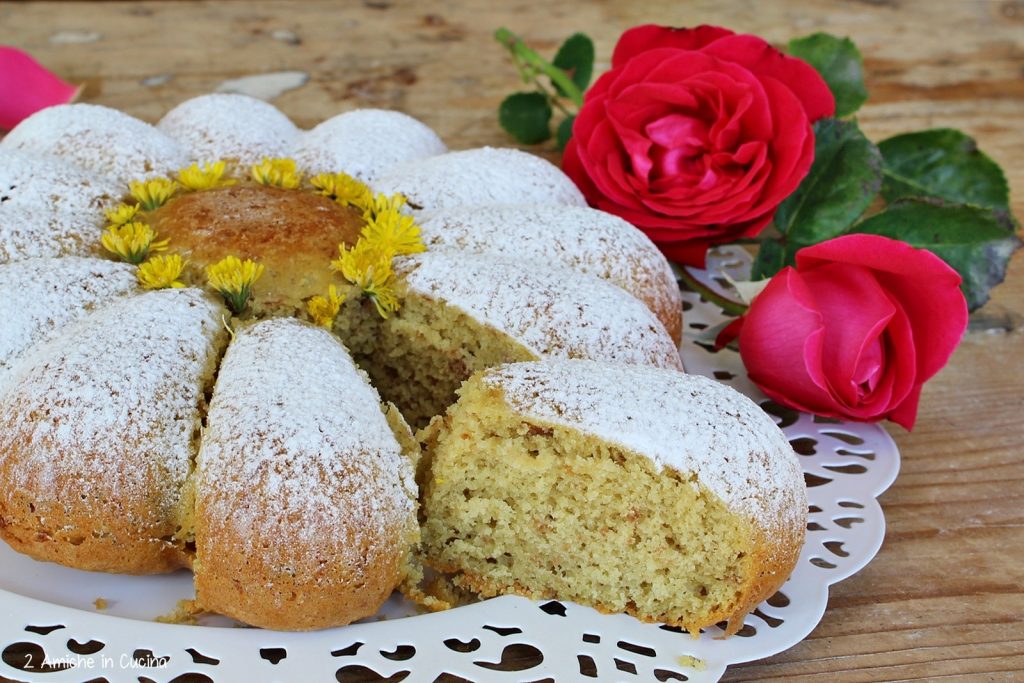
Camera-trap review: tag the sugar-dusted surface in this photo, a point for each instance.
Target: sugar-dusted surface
(365, 143)
(685, 422)
(101, 140)
(297, 448)
(40, 297)
(108, 411)
(226, 126)
(49, 207)
(581, 238)
(552, 311)
(475, 177)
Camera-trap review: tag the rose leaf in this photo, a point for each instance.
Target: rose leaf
(839, 62)
(576, 58)
(942, 163)
(526, 116)
(564, 131)
(770, 259)
(842, 183)
(976, 241)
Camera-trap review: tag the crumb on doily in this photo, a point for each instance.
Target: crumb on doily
(100, 603)
(186, 612)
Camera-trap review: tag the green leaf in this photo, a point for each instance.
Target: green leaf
(976, 241)
(564, 131)
(576, 58)
(770, 259)
(839, 62)
(945, 164)
(842, 183)
(527, 117)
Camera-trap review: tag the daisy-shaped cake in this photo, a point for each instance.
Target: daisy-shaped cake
(196, 312)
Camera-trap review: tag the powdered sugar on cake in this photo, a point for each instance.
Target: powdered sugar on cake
(104, 141)
(554, 312)
(225, 126)
(580, 238)
(40, 297)
(113, 403)
(49, 207)
(365, 143)
(297, 453)
(685, 422)
(476, 177)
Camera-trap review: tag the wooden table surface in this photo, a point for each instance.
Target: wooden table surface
(944, 597)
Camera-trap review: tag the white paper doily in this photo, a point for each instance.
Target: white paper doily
(47, 615)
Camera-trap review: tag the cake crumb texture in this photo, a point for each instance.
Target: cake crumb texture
(630, 489)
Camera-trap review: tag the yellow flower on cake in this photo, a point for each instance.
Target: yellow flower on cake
(121, 214)
(382, 203)
(394, 233)
(369, 268)
(161, 272)
(132, 242)
(277, 173)
(324, 309)
(152, 194)
(342, 188)
(205, 178)
(234, 279)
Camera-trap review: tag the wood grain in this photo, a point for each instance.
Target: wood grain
(943, 600)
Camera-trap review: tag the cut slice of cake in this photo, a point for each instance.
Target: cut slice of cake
(630, 489)
(304, 500)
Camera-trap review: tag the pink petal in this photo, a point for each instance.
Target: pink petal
(26, 87)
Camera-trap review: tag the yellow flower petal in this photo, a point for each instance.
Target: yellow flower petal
(132, 242)
(380, 203)
(394, 233)
(152, 194)
(277, 173)
(234, 279)
(161, 272)
(323, 310)
(205, 178)
(122, 213)
(342, 188)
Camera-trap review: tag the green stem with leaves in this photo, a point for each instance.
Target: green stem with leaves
(524, 55)
(728, 305)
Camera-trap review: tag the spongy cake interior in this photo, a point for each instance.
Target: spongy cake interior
(419, 356)
(545, 510)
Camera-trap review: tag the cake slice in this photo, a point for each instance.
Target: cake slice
(630, 489)
(304, 500)
(98, 430)
(463, 312)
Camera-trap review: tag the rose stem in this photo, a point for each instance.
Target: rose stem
(521, 51)
(728, 305)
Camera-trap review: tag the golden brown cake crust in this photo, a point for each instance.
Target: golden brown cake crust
(305, 501)
(98, 430)
(294, 234)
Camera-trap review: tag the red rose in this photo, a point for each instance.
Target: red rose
(696, 135)
(855, 329)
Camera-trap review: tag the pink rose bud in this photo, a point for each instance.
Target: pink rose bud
(695, 136)
(855, 329)
(26, 87)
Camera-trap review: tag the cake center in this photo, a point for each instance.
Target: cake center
(293, 234)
